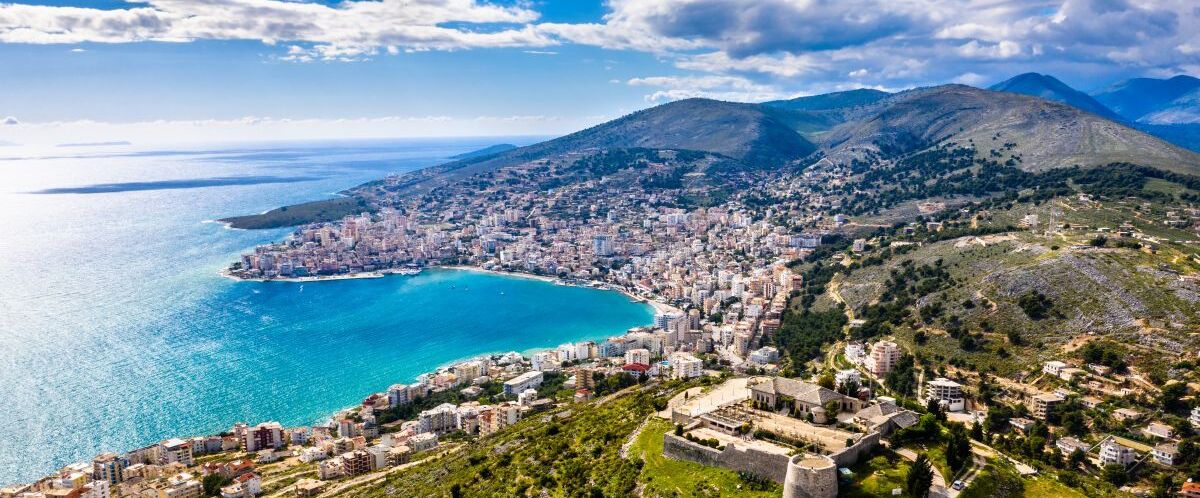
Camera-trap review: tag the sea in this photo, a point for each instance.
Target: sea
(116, 330)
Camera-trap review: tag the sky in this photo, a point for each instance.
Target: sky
(182, 71)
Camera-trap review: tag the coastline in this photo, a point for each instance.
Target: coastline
(658, 306)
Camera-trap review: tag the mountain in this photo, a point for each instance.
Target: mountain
(1155, 101)
(828, 101)
(1050, 88)
(748, 134)
(726, 138)
(1044, 134)
(814, 115)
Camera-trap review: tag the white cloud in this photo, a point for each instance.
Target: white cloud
(730, 88)
(347, 30)
(9, 120)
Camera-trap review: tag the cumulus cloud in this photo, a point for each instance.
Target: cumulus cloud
(346, 30)
(9, 120)
(793, 45)
(730, 88)
(900, 43)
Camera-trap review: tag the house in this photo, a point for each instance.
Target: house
(1068, 445)
(1042, 404)
(1195, 417)
(1021, 424)
(308, 488)
(1166, 454)
(1090, 402)
(1126, 414)
(1053, 367)
(1159, 430)
(885, 417)
(778, 392)
(1190, 489)
(1114, 453)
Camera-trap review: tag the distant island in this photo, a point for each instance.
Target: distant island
(96, 144)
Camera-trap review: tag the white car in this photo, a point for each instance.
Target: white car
(957, 485)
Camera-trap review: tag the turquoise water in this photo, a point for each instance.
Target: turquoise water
(116, 331)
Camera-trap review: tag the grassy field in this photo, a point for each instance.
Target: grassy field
(876, 477)
(1045, 487)
(662, 476)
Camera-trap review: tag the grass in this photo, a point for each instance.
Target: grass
(1047, 487)
(662, 476)
(876, 477)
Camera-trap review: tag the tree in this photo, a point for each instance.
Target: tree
(919, 478)
(1171, 395)
(213, 484)
(1115, 474)
(826, 380)
(935, 407)
(958, 448)
(1075, 458)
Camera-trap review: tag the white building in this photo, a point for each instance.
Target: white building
(527, 397)
(1053, 367)
(1114, 453)
(527, 380)
(638, 356)
(1195, 418)
(848, 376)
(546, 361)
(1166, 454)
(765, 355)
(947, 392)
(685, 366)
(439, 420)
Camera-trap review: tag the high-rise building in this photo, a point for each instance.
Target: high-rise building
(109, 467)
(884, 357)
(602, 245)
(263, 436)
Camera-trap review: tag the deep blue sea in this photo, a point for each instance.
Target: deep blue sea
(116, 331)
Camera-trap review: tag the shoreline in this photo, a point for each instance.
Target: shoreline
(656, 306)
(653, 302)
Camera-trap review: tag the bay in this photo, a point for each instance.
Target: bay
(116, 331)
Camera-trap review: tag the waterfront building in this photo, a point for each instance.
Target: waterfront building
(267, 435)
(175, 451)
(397, 395)
(110, 468)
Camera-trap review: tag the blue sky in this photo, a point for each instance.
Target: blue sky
(76, 69)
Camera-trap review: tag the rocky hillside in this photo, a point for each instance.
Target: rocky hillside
(1043, 134)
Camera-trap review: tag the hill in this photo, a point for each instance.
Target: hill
(1050, 88)
(1039, 133)
(828, 101)
(1154, 100)
(486, 151)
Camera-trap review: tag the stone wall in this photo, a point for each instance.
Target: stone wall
(769, 465)
(849, 456)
